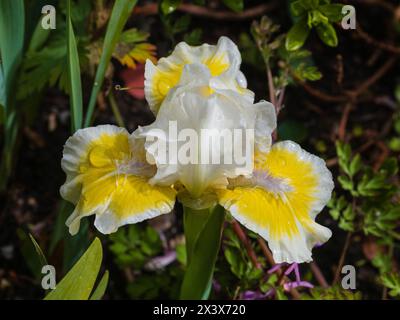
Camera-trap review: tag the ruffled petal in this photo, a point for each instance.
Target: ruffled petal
(289, 187)
(107, 175)
(222, 61)
(207, 113)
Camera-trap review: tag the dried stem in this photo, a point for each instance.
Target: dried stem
(318, 275)
(342, 258)
(245, 240)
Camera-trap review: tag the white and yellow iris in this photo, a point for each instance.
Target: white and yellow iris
(288, 188)
(108, 174)
(222, 60)
(193, 105)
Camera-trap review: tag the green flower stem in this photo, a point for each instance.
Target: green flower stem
(203, 229)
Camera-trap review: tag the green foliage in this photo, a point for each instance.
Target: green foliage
(371, 207)
(45, 61)
(175, 25)
(74, 72)
(101, 287)
(133, 246)
(392, 282)
(332, 293)
(193, 37)
(169, 6)
(239, 263)
(383, 262)
(203, 236)
(309, 14)
(79, 281)
(32, 253)
(12, 40)
(234, 5)
(293, 65)
(394, 142)
(165, 284)
(119, 16)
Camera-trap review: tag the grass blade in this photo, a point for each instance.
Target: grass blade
(121, 11)
(74, 75)
(12, 35)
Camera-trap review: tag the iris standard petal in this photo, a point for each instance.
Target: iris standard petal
(204, 117)
(222, 60)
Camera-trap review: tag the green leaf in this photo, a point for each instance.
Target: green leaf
(343, 151)
(355, 165)
(39, 37)
(79, 281)
(203, 243)
(73, 246)
(32, 253)
(234, 5)
(297, 35)
(194, 37)
(394, 144)
(169, 6)
(238, 266)
(181, 254)
(390, 167)
(297, 8)
(121, 12)
(332, 11)
(327, 34)
(346, 183)
(12, 31)
(12, 34)
(181, 24)
(74, 71)
(392, 281)
(133, 36)
(346, 225)
(315, 17)
(101, 288)
(39, 251)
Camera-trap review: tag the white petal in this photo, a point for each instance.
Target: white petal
(222, 61)
(198, 108)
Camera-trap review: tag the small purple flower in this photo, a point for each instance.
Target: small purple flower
(256, 295)
(294, 267)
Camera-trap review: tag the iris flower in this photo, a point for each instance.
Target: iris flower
(121, 179)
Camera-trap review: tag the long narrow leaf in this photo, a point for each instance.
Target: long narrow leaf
(12, 35)
(74, 75)
(121, 11)
(198, 276)
(12, 32)
(101, 288)
(80, 280)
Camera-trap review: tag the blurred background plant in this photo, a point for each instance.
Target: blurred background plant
(336, 91)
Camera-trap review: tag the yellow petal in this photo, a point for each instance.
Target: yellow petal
(288, 189)
(222, 60)
(107, 175)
